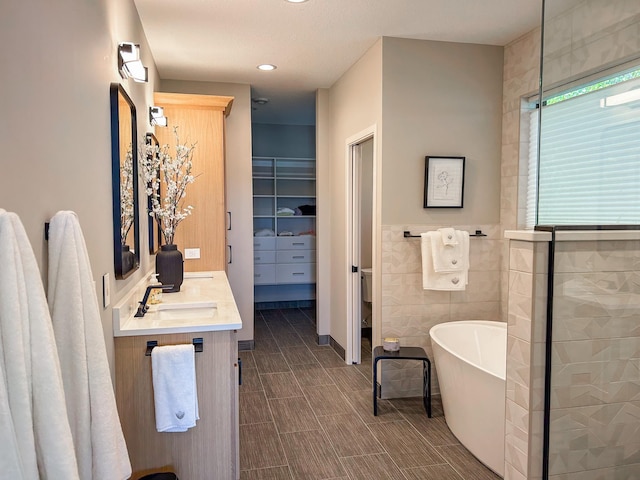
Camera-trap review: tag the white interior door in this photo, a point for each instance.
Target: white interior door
(353, 169)
(356, 291)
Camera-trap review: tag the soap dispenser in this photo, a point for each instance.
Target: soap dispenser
(155, 296)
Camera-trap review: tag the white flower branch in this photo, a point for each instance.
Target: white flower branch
(167, 178)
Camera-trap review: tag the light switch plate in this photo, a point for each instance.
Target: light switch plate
(191, 253)
(106, 290)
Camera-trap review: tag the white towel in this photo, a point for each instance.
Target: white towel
(97, 435)
(432, 280)
(452, 256)
(34, 416)
(174, 387)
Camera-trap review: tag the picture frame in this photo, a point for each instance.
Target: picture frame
(444, 182)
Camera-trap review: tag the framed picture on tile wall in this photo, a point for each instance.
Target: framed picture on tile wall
(443, 182)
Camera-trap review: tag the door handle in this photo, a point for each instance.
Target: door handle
(230, 258)
(228, 220)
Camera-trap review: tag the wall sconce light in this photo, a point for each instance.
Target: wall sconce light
(156, 117)
(129, 63)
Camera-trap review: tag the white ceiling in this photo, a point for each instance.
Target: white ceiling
(312, 43)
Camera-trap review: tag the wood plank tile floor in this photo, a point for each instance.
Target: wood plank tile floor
(306, 415)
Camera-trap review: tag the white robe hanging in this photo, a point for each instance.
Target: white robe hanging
(95, 424)
(34, 417)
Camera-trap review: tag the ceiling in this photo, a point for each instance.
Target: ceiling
(312, 43)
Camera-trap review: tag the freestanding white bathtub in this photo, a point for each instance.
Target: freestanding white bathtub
(471, 363)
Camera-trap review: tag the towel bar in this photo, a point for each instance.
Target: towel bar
(197, 344)
(407, 234)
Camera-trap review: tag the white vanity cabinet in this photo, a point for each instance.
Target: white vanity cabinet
(211, 448)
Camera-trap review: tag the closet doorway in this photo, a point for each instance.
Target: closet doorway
(362, 220)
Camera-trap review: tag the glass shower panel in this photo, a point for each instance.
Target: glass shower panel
(593, 362)
(595, 369)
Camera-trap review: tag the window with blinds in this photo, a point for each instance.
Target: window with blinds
(588, 172)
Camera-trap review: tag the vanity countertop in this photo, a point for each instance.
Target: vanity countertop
(204, 303)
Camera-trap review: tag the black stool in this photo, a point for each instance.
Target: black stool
(405, 353)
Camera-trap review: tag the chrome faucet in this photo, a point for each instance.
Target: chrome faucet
(143, 307)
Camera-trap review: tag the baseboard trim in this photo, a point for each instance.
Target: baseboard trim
(285, 304)
(337, 347)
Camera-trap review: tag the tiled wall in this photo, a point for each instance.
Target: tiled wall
(595, 402)
(408, 311)
(593, 34)
(525, 359)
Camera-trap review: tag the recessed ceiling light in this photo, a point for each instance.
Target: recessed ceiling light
(296, 1)
(266, 67)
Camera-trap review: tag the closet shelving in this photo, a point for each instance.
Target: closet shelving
(283, 183)
(286, 260)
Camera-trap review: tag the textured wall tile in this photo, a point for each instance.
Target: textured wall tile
(520, 282)
(519, 326)
(511, 473)
(521, 257)
(475, 311)
(484, 286)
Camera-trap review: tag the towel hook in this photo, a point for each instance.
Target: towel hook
(198, 345)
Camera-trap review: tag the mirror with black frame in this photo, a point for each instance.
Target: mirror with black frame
(124, 164)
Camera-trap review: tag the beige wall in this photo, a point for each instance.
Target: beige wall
(440, 98)
(425, 98)
(355, 104)
(59, 59)
(323, 213)
(238, 190)
(366, 204)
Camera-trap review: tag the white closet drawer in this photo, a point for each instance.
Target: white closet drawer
(264, 243)
(264, 256)
(305, 242)
(296, 256)
(296, 273)
(264, 274)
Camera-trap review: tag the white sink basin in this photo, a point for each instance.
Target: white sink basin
(183, 311)
(189, 310)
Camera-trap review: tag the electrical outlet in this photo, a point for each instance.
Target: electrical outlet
(191, 253)
(106, 290)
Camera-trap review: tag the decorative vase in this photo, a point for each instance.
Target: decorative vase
(170, 267)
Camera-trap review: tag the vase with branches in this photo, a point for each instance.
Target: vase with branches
(167, 177)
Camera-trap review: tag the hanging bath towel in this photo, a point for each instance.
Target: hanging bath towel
(34, 416)
(93, 416)
(175, 395)
(433, 280)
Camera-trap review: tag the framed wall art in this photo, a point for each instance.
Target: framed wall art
(443, 182)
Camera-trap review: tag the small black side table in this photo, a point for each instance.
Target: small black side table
(405, 353)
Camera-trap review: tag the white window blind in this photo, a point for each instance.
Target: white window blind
(589, 168)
